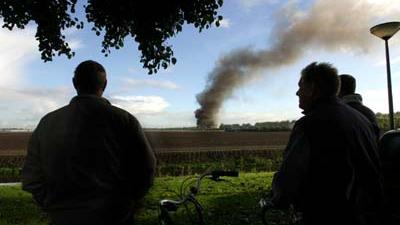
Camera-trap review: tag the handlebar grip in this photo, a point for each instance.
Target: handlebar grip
(222, 173)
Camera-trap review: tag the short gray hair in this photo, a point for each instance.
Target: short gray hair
(324, 76)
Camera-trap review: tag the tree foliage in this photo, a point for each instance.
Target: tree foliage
(285, 125)
(149, 22)
(383, 121)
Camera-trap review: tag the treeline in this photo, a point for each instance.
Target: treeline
(285, 125)
(383, 121)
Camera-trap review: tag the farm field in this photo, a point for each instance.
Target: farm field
(178, 152)
(161, 141)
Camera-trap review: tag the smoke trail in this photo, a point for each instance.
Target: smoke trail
(328, 24)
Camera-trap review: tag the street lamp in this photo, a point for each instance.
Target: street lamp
(386, 31)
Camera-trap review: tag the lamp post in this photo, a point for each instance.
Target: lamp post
(386, 31)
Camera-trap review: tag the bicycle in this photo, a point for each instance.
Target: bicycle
(167, 206)
(287, 216)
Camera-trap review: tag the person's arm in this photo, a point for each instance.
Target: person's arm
(141, 161)
(288, 180)
(33, 178)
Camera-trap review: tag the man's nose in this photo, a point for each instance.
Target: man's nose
(297, 92)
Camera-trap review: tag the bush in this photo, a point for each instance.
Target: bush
(183, 163)
(10, 175)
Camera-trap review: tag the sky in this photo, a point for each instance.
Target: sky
(334, 31)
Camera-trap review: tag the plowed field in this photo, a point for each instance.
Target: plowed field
(15, 143)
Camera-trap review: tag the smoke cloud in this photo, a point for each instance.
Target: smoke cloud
(333, 25)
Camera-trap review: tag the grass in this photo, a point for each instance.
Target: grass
(9, 174)
(232, 202)
(17, 207)
(246, 164)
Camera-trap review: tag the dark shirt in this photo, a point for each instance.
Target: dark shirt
(88, 156)
(331, 169)
(355, 101)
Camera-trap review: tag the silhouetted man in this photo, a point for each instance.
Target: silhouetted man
(348, 95)
(330, 170)
(88, 161)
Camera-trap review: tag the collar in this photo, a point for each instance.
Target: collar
(89, 98)
(322, 101)
(352, 98)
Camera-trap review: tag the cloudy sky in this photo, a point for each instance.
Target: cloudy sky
(335, 31)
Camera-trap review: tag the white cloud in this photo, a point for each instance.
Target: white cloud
(250, 117)
(140, 104)
(132, 70)
(134, 83)
(393, 61)
(167, 119)
(17, 48)
(73, 41)
(387, 7)
(23, 107)
(186, 118)
(169, 70)
(377, 100)
(249, 4)
(225, 23)
(75, 44)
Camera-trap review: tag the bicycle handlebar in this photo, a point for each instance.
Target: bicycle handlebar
(222, 173)
(215, 174)
(167, 205)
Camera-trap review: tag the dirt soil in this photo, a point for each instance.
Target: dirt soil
(16, 143)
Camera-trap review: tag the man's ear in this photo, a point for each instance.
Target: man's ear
(74, 82)
(105, 85)
(315, 91)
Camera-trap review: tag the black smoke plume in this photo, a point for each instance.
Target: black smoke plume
(329, 24)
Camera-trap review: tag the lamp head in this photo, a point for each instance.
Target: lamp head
(385, 30)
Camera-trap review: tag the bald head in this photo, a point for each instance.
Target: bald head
(90, 78)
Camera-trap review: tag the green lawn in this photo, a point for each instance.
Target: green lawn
(228, 202)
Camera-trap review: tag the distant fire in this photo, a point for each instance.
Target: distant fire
(294, 33)
(204, 121)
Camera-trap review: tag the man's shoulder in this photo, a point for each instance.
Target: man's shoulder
(362, 108)
(55, 113)
(301, 123)
(121, 112)
(328, 115)
(116, 111)
(123, 116)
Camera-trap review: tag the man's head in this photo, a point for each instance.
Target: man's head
(90, 78)
(318, 80)
(347, 85)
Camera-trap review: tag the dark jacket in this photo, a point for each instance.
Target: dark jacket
(331, 170)
(88, 156)
(355, 101)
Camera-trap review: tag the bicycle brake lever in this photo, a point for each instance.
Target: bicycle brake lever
(265, 203)
(194, 190)
(216, 178)
(169, 206)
